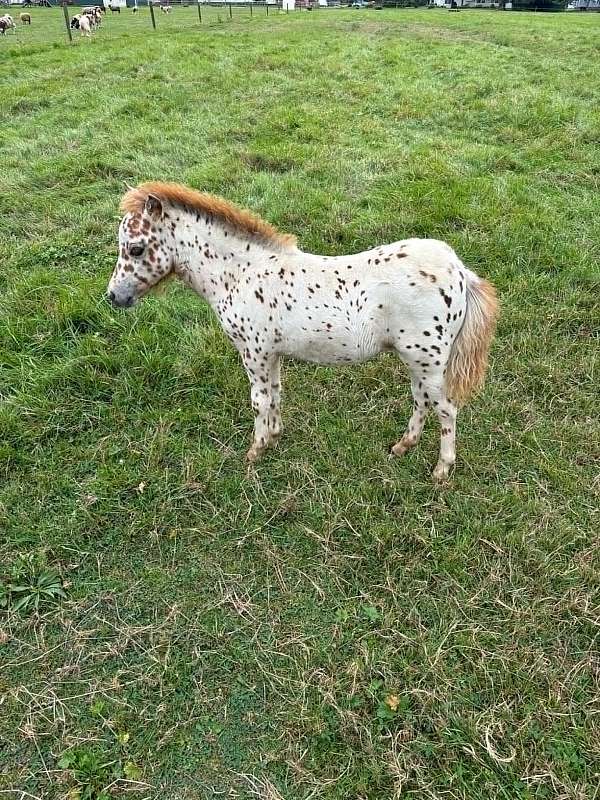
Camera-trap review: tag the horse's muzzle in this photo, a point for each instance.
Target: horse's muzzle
(120, 300)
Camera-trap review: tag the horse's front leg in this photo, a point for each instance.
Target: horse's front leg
(260, 375)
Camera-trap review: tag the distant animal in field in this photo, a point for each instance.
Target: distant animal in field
(117, 9)
(94, 13)
(85, 25)
(25, 18)
(6, 23)
(95, 17)
(134, 10)
(165, 9)
(413, 297)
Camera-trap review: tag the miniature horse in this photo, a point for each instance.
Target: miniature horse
(413, 297)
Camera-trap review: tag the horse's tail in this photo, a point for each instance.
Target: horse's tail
(469, 354)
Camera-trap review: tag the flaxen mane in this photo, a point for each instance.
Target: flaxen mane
(200, 203)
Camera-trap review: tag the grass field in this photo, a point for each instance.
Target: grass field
(330, 625)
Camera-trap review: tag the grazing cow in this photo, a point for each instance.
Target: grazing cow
(25, 18)
(413, 297)
(134, 10)
(116, 9)
(165, 9)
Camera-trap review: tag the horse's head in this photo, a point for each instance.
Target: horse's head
(146, 254)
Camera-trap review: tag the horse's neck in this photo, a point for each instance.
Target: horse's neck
(214, 259)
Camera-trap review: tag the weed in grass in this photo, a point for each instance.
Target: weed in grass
(28, 587)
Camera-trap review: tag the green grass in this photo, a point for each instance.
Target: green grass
(238, 634)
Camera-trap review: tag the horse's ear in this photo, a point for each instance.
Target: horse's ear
(153, 206)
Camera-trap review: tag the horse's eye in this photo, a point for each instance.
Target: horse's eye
(136, 249)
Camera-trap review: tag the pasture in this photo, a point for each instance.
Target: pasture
(329, 624)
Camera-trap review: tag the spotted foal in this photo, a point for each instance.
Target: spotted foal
(413, 297)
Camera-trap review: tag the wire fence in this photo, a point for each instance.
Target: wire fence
(54, 23)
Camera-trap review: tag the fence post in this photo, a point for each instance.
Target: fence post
(250, 7)
(267, 7)
(199, 11)
(67, 23)
(151, 4)
(230, 10)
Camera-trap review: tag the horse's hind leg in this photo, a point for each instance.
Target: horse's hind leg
(414, 429)
(446, 413)
(429, 393)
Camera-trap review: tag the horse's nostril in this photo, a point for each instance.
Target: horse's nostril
(111, 296)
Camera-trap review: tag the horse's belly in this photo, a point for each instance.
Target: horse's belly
(325, 350)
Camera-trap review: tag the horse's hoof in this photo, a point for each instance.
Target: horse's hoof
(253, 455)
(441, 473)
(400, 448)
(274, 438)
